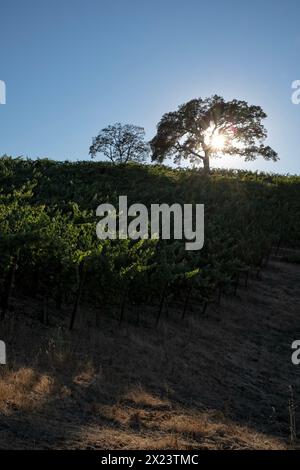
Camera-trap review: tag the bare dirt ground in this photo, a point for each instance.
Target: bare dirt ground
(221, 380)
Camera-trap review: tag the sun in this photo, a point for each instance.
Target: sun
(214, 138)
(217, 141)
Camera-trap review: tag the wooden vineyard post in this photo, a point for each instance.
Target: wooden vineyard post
(45, 316)
(278, 245)
(124, 299)
(186, 302)
(123, 305)
(8, 287)
(220, 290)
(267, 259)
(161, 304)
(236, 284)
(81, 272)
(59, 292)
(35, 283)
(204, 307)
(138, 316)
(246, 279)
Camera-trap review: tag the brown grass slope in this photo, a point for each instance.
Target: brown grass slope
(215, 381)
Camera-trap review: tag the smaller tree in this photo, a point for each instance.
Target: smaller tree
(121, 143)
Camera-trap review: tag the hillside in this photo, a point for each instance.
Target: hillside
(142, 344)
(215, 381)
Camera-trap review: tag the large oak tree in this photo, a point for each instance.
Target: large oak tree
(204, 128)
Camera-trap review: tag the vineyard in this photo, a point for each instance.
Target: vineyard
(49, 250)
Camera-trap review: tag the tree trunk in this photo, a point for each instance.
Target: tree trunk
(206, 163)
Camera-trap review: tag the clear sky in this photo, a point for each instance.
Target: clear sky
(73, 66)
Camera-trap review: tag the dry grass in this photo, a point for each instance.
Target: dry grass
(22, 389)
(212, 382)
(139, 396)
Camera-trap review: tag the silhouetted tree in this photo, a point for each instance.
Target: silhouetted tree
(203, 128)
(121, 143)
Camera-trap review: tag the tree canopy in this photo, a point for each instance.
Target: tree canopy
(205, 128)
(121, 143)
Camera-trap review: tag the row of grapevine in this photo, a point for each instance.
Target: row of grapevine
(49, 248)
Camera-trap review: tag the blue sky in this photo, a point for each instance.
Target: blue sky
(73, 66)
